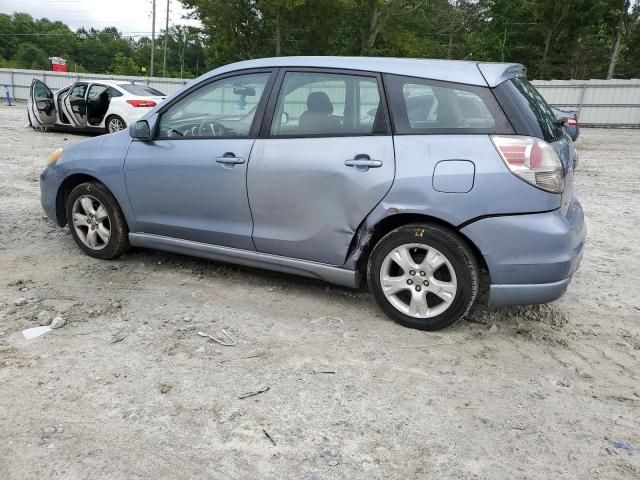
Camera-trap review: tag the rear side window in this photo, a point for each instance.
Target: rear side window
(142, 90)
(422, 106)
(528, 111)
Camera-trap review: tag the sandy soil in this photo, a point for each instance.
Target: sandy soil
(552, 392)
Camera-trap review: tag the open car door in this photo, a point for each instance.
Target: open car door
(75, 104)
(41, 104)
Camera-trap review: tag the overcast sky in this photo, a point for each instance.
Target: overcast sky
(132, 17)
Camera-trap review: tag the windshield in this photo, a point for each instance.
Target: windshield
(142, 90)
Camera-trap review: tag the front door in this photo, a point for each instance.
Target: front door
(327, 161)
(42, 106)
(75, 105)
(189, 182)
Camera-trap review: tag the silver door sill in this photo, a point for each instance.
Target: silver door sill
(320, 271)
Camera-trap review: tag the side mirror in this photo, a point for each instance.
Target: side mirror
(284, 118)
(140, 131)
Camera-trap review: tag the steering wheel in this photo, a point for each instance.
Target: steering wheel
(210, 127)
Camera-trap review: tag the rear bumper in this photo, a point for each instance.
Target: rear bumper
(531, 258)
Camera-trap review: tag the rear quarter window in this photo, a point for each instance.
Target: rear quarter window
(527, 109)
(421, 106)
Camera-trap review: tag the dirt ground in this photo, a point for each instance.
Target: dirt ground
(550, 392)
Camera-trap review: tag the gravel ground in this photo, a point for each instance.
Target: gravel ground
(549, 392)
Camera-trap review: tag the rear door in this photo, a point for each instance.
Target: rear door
(41, 104)
(324, 160)
(75, 104)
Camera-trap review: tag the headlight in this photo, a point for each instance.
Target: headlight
(55, 156)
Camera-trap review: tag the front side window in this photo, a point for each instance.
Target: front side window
(428, 106)
(223, 108)
(324, 104)
(40, 90)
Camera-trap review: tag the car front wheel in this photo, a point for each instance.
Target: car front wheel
(96, 221)
(423, 276)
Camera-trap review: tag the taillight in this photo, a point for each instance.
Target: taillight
(533, 160)
(142, 103)
(572, 122)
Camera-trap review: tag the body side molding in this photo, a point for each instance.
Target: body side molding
(320, 271)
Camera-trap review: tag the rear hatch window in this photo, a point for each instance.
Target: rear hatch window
(528, 112)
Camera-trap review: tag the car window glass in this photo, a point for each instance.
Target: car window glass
(41, 91)
(224, 108)
(315, 103)
(141, 90)
(114, 93)
(95, 91)
(444, 107)
(538, 108)
(79, 90)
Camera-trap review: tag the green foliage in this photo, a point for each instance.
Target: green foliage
(554, 39)
(123, 65)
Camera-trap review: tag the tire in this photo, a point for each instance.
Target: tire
(115, 119)
(429, 298)
(106, 217)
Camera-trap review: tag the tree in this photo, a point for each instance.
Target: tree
(123, 65)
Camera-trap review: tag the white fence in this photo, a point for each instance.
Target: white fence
(605, 103)
(611, 103)
(19, 81)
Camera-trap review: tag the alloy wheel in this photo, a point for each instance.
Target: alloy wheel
(115, 125)
(91, 222)
(418, 280)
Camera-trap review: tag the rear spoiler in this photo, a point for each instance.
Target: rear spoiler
(496, 73)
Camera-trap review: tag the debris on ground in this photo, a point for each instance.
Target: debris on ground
(252, 394)
(118, 337)
(58, 322)
(230, 343)
(34, 332)
(269, 437)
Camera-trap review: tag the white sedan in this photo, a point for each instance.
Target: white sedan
(90, 105)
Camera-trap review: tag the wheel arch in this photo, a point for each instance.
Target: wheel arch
(67, 185)
(367, 236)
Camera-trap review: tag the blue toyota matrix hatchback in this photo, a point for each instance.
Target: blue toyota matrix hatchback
(409, 175)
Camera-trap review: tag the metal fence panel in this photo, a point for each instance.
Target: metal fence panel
(19, 81)
(602, 103)
(610, 103)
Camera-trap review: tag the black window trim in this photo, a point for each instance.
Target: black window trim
(257, 118)
(265, 129)
(399, 111)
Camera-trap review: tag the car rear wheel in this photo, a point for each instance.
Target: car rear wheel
(423, 276)
(96, 221)
(115, 124)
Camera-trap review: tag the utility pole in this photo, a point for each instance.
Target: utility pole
(153, 36)
(166, 34)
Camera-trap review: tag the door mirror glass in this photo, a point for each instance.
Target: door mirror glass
(140, 131)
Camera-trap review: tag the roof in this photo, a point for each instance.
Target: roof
(459, 71)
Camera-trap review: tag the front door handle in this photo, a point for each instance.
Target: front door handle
(229, 159)
(363, 162)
